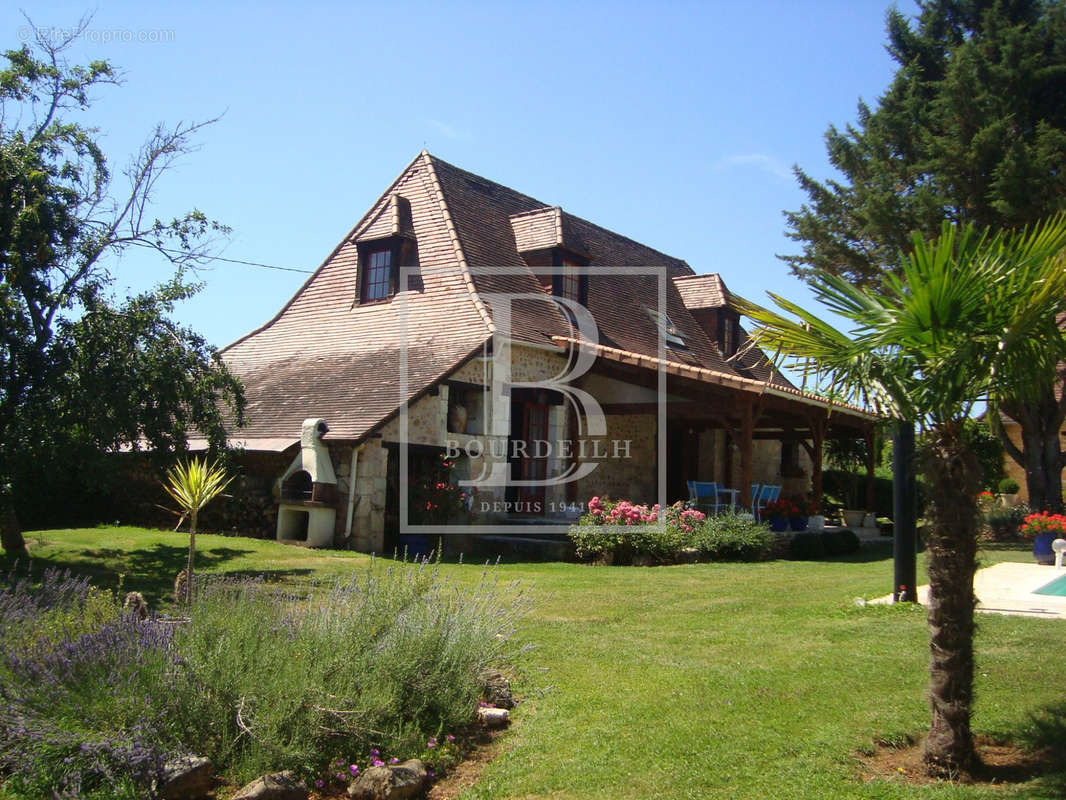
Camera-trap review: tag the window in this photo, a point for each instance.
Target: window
(728, 330)
(378, 275)
(570, 281)
(671, 335)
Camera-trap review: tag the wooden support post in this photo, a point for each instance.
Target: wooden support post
(727, 466)
(868, 434)
(818, 425)
(747, 455)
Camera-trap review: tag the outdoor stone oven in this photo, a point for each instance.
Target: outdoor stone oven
(308, 507)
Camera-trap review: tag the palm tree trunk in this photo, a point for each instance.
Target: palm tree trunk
(954, 478)
(192, 557)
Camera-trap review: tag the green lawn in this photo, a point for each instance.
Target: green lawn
(710, 680)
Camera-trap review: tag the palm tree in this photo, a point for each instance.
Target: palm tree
(194, 483)
(972, 318)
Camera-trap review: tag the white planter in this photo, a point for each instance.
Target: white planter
(853, 518)
(869, 521)
(816, 522)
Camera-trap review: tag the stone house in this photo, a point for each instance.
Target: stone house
(436, 331)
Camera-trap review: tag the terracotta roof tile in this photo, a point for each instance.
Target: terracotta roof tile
(702, 291)
(325, 354)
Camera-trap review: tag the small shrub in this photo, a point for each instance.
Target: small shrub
(1003, 524)
(840, 542)
(1008, 486)
(806, 547)
(732, 537)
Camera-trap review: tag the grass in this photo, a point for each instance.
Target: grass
(703, 680)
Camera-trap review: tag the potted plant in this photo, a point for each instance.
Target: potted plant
(779, 511)
(1043, 529)
(1008, 491)
(801, 512)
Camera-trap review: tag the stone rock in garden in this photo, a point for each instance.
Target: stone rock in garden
(396, 782)
(136, 605)
(275, 786)
(496, 689)
(186, 778)
(493, 717)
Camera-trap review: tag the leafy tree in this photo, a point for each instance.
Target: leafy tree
(972, 129)
(193, 484)
(76, 369)
(972, 317)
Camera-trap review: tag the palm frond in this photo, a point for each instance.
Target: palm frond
(972, 316)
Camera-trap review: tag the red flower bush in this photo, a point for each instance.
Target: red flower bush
(782, 508)
(1037, 524)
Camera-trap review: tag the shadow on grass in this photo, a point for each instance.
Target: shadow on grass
(149, 570)
(1043, 737)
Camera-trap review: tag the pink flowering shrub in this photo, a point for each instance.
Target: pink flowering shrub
(621, 532)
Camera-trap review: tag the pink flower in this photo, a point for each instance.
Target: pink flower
(450, 737)
(378, 762)
(319, 783)
(354, 769)
(394, 760)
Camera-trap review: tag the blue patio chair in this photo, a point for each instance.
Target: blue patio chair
(704, 495)
(754, 497)
(768, 493)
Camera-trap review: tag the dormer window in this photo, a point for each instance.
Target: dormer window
(378, 283)
(379, 267)
(570, 281)
(671, 335)
(728, 333)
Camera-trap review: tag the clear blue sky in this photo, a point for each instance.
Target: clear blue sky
(673, 123)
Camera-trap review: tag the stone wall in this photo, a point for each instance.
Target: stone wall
(628, 469)
(248, 507)
(368, 514)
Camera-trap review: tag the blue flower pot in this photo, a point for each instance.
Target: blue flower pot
(779, 524)
(415, 544)
(1042, 551)
(798, 523)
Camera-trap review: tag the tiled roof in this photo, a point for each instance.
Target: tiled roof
(537, 230)
(702, 291)
(326, 355)
(728, 379)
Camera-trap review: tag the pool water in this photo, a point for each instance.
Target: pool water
(1057, 587)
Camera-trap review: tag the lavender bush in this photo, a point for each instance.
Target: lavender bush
(258, 678)
(383, 659)
(80, 682)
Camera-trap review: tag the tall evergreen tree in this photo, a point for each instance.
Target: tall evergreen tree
(972, 129)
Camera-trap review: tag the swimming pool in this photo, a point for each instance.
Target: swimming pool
(1056, 587)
